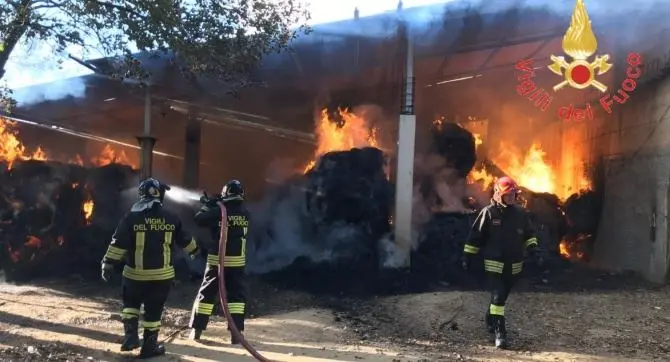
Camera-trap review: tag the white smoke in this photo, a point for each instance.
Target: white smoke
(70, 87)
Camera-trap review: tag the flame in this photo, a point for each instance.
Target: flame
(530, 171)
(11, 147)
(108, 156)
(87, 208)
(563, 249)
(78, 160)
(12, 150)
(352, 131)
(579, 41)
(478, 174)
(571, 247)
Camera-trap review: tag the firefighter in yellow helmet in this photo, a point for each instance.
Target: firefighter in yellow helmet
(232, 197)
(143, 240)
(501, 233)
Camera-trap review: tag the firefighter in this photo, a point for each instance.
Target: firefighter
(144, 240)
(501, 233)
(207, 299)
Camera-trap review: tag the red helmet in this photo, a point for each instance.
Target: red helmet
(504, 186)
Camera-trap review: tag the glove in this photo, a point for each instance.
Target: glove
(106, 272)
(465, 263)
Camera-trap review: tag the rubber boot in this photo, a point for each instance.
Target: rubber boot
(239, 323)
(233, 339)
(131, 338)
(490, 325)
(150, 346)
(195, 334)
(501, 333)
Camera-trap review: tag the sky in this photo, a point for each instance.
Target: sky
(30, 65)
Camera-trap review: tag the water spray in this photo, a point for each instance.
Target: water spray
(182, 195)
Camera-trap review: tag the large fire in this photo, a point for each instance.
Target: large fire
(533, 172)
(352, 131)
(108, 156)
(12, 150)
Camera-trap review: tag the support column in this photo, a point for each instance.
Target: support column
(191, 167)
(146, 141)
(146, 155)
(402, 220)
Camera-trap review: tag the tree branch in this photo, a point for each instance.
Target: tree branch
(122, 8)
(15, 30)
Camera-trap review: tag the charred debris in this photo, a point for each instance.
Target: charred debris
(349, 190)
(57, 219)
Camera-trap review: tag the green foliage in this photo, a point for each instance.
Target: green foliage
(223, 39)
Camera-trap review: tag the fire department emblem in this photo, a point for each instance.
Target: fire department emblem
(580, 43)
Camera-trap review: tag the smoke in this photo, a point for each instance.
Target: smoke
(71, 87)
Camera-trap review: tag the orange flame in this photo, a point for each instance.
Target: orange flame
(532, 171)
(571, 248)
(479, 175)
(87, 208)
(352, 132)
(108, 156)
(11, 147)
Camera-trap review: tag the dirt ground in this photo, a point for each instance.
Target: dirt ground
(595, 318)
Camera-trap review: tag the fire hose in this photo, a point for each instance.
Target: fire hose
(223, 297)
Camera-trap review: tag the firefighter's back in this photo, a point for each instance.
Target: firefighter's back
(153, 232)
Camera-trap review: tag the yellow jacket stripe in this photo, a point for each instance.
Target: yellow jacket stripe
(190, 248)
(236, 308)
(130, 313)
(204, 308)
(470, 249)
(530, 242)
(151, 326)
(115, 253)
(495, 266)
(148, 274)
(229, 261)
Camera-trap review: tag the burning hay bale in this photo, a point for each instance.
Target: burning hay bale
(456, 145)
(438, 254)
(351, 186)
(337, 210)
(57, 218)
(582, 211)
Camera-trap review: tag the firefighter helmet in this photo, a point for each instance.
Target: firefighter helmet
(233, 190)
(504, 186)
(151, 188)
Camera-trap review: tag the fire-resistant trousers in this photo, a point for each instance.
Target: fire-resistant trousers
(208, 296)
(153, 294)
(499, 285)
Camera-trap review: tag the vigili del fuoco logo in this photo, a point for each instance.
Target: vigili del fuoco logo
(579, 44)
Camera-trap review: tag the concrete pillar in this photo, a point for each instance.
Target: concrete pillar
(191, 167)
(402, 220)
(658, 263)
(146, 142)
(146, 155)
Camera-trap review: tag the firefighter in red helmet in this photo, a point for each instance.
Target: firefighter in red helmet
(501, 233)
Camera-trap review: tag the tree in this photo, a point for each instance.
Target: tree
(220, 38)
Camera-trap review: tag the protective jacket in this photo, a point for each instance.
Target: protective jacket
(144, 240)
(238, 226)
(501, 234)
